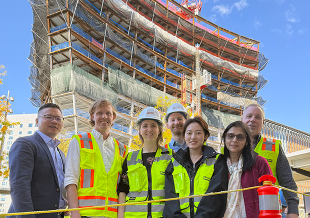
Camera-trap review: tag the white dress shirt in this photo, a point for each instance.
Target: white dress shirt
(107, 149)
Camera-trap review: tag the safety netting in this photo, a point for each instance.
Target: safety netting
(262, 61)
(261, 101)
(39, 71)
(71, 78)
(261, 82)
(234, 100)
(134, 89)
(164, 37)
(217, 118)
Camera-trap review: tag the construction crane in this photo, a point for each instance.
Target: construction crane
(192, 5)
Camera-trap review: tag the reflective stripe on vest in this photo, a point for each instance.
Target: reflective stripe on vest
(138, 182)
(90, 190)
(182, 183)
(269, 149)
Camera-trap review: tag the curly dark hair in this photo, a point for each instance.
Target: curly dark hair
(248, 154)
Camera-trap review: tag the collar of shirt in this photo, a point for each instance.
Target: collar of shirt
(174, 144)
(99, 136)
(48, 140)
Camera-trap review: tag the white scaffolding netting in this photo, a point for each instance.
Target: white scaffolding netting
(234, 100)
(165, 37)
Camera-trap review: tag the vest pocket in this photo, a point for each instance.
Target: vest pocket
(158, 174)
(202, 179)
(137, 177)
(87, 158)
(179, 177)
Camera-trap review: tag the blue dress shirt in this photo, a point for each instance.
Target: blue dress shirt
(58, 162)
(174, 145)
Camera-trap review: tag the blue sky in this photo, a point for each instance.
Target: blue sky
(281, 26)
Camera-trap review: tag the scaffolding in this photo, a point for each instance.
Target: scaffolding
(133, 52)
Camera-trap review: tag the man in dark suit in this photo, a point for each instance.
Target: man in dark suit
(37, 167)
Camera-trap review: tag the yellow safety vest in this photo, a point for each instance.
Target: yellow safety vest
(269, 149)
(185, 187)
(139, 185)
(96, 187)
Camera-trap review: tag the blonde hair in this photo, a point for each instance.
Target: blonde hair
(255, 105)
(95, 105)
(160, 136)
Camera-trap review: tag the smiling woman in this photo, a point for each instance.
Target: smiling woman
(198, 169)
(143, 175)
(245, 167)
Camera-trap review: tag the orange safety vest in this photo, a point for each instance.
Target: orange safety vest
(96, 187)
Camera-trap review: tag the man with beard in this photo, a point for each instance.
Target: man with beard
(254, 116)
(175, 120)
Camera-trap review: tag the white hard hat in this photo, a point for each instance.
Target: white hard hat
(176, 108)
(149, 113)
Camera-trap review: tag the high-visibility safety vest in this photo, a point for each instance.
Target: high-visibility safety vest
(185, 186)
(139, 184)
(96, 187)
(269, 149)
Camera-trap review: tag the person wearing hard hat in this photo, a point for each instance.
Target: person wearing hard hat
(93, 165)
(175, 120)
(143, 176)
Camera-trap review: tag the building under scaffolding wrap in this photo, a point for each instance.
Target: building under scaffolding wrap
(133, 51)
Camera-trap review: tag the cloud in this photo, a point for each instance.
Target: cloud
(302, 31)
(241, 4)
(257, 24)
(222, 9)
(276, 31)
(226, 9)
(290, 15)
(289, 30)
(213, 18)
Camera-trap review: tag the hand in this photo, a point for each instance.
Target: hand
(292, 215)
(75, 214)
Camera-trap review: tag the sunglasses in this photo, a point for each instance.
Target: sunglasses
(231, 136)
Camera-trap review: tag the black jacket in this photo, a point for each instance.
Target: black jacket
(209, 206)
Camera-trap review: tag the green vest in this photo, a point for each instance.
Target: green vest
(96, 187)
(139, 185)
(269, 149)
(185, 187)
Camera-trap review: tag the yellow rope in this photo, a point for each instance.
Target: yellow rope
(291, 190)
(145, 202)
(134, 203)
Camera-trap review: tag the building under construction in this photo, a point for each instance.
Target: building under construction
(133, 52)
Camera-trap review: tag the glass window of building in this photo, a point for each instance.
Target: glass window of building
(30, 124)
(29, 132)
(21, 126)
(11, 133)
(3, 183)
(35, 125)
(2, 199)
(20, 132)
(11, 137)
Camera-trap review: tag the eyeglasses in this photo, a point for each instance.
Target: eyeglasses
(51, 118)
(231, 136)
